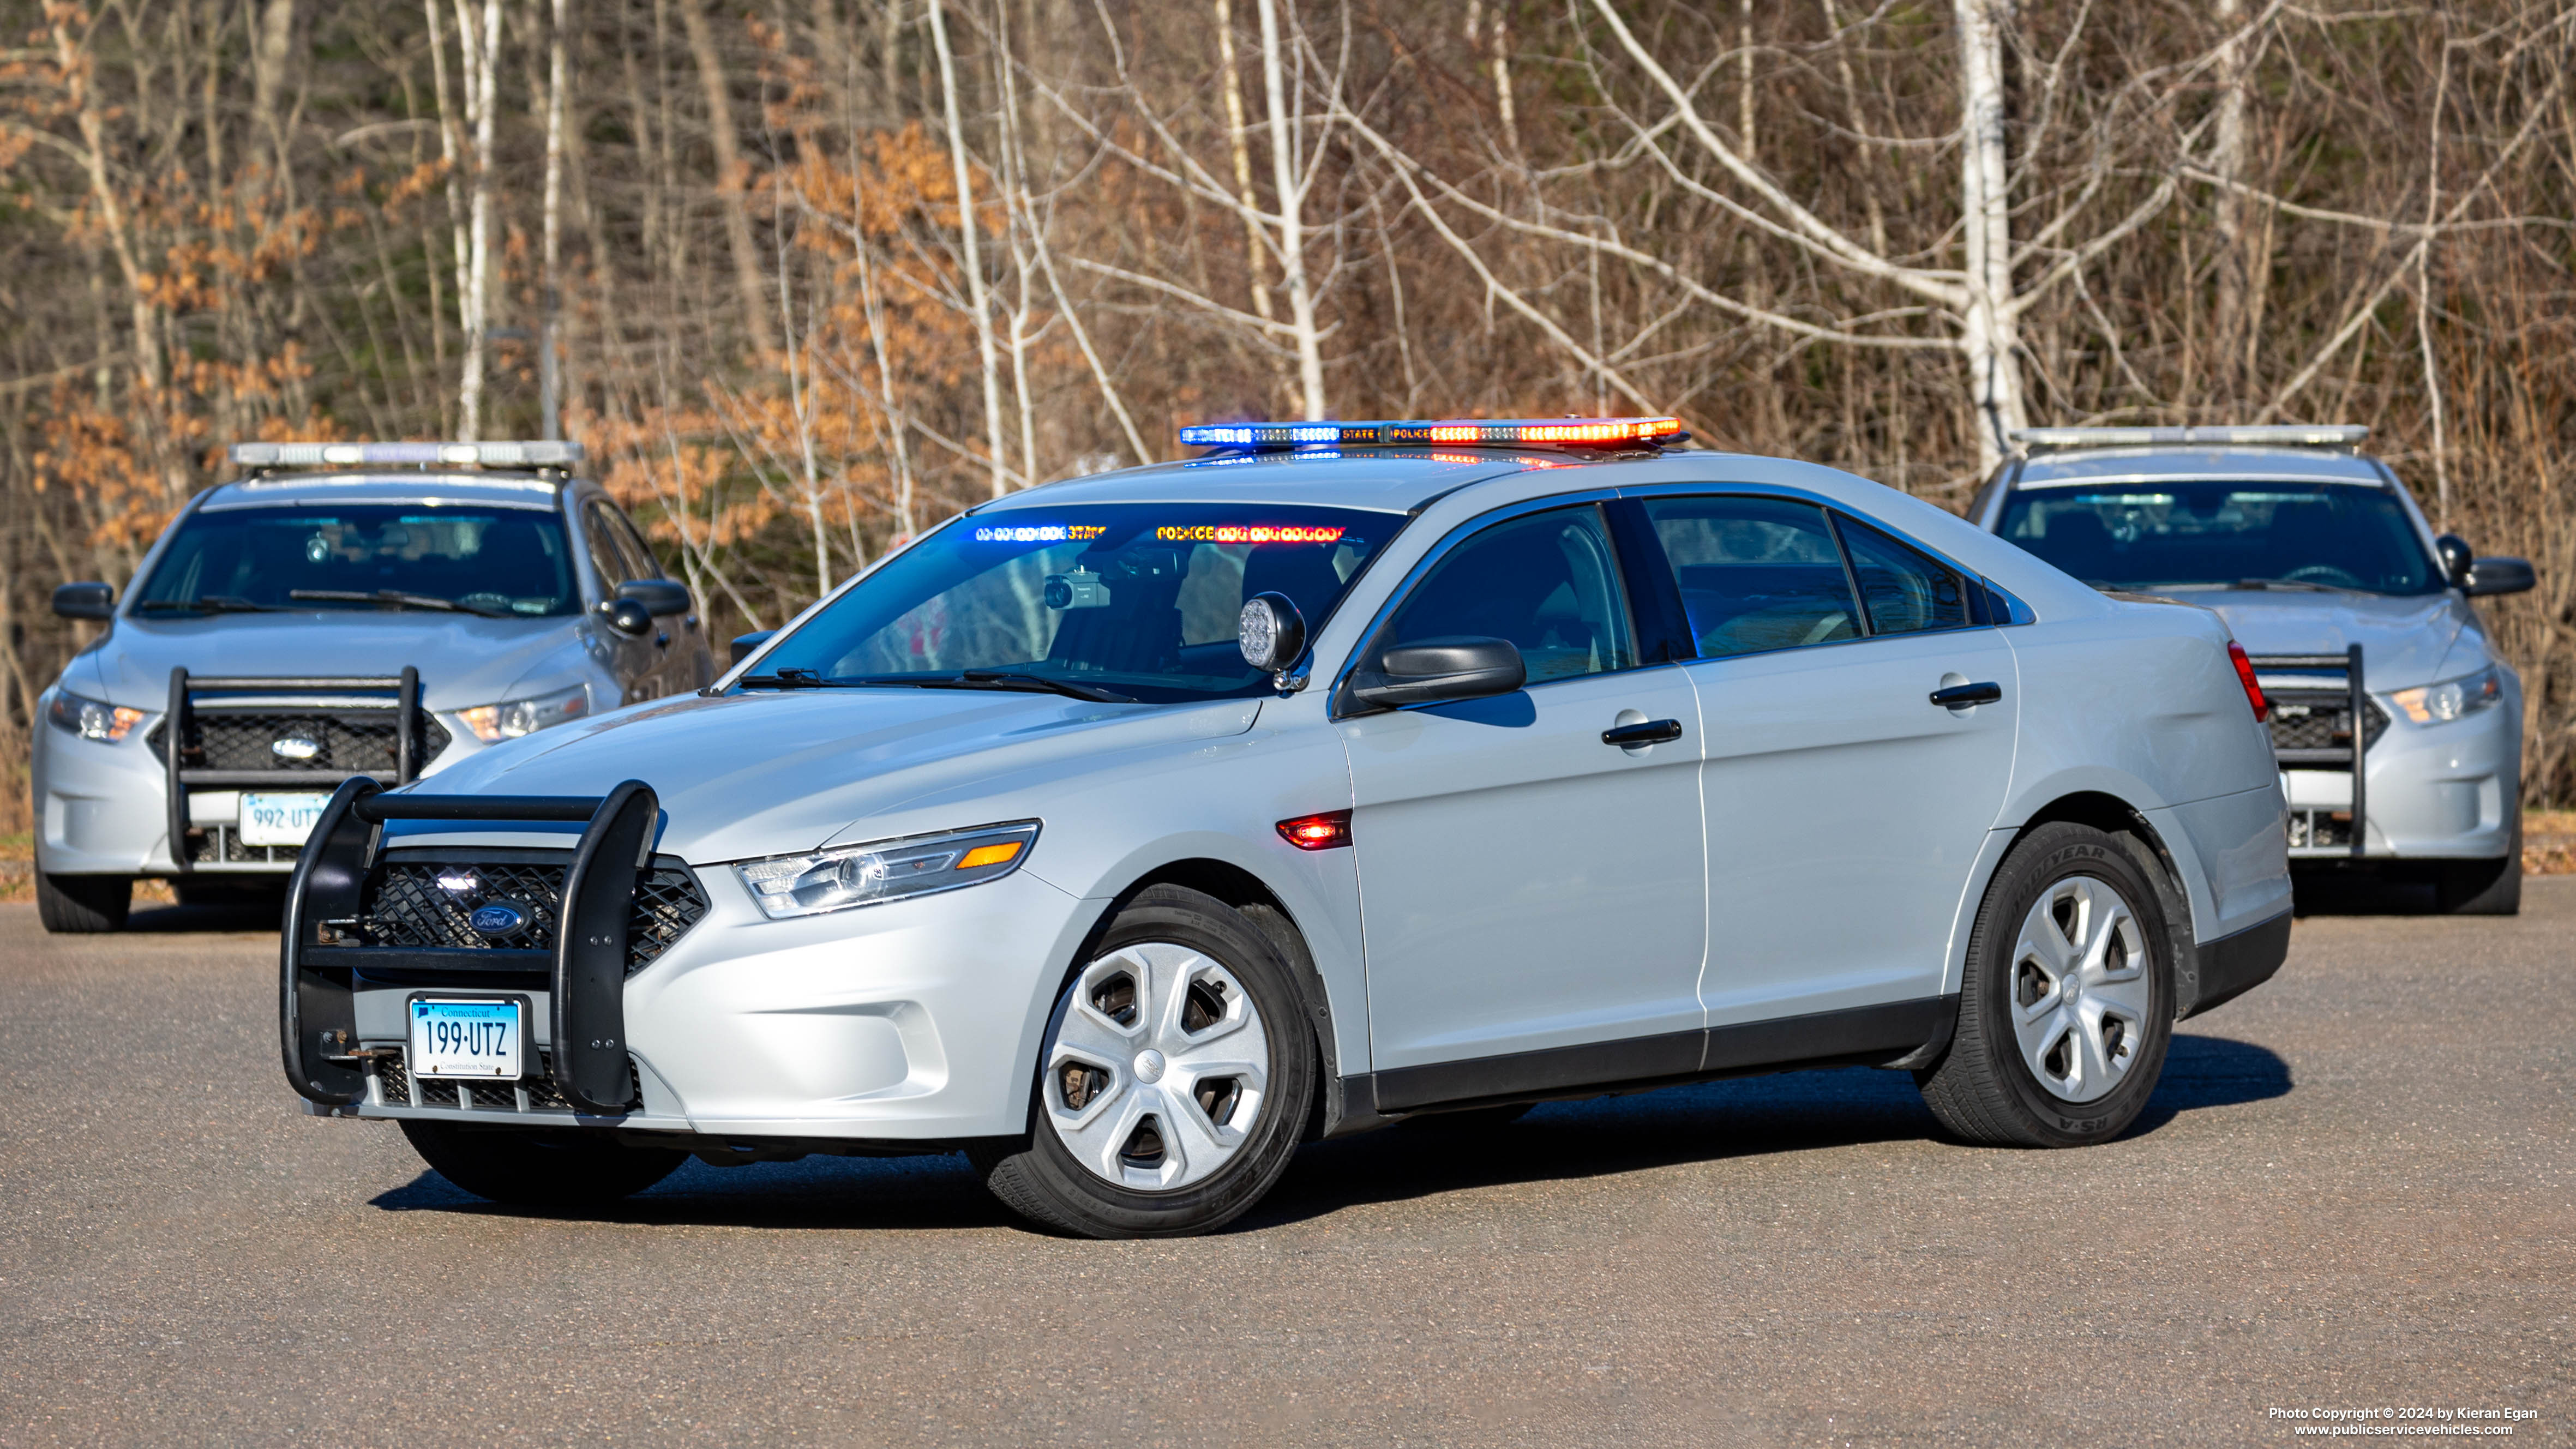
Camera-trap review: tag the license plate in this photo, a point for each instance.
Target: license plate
(477, 1039)
(279, 819)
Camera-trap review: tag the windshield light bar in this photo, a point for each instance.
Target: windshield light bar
(2277, 435)
(1569, 432)
(489, 455)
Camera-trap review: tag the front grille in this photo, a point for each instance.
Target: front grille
(394, 1089)
(418, 903)
(2320, 829)
(345, 741)
(220, 845)
(2315, 726)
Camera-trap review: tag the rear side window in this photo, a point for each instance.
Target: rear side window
(1756, 574)
(1549, 583)
(1905, 590)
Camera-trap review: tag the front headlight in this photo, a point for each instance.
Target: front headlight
(511, 718)
(885, 870)
(2435, 703)
(92, 720)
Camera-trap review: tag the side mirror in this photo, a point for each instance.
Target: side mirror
(1270, 632)
(2496, 574)
(85, 601)
(660, 597)
(1441, 671)
(628, 617)
(2456, 558)
(743, 644)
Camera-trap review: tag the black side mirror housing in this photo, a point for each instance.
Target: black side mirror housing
(2496, 574)
(743, 644)
(628, 617)
(85, 601)
(2457, 556)
(661, 598)
(1441, 671)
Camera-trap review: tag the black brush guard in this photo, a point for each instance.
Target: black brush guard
(2349, 662)
(317, 999)
(407, 741)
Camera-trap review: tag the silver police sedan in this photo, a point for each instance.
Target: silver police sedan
(2352, 609)
(334, 613)
(1128, 831)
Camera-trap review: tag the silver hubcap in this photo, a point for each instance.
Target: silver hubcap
(2079, 989)
(1157, 1068)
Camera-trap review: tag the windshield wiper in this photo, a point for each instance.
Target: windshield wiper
(785, 679)
(2302, 584)
(1003, 679)
(211, 604)
(393, 599)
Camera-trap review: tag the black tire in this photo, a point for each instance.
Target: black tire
(1039, 1178)
(83, 904)
(1982, 1088)
(539, 1169)
(2483, 887)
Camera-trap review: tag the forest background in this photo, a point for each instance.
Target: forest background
(807, 276)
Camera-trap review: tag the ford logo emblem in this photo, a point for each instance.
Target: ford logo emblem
(294, 747)
(498, 920)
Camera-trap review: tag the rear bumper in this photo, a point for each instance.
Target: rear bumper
(2233, 965)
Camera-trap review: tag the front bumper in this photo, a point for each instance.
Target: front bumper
(911, 1022)
(2442, 791)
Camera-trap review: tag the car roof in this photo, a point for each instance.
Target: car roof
(2178, 464)
(1380, 480)
(487, 490)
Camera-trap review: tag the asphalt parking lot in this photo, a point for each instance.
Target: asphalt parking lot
(2352, 1190)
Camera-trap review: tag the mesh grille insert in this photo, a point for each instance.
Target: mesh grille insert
(344, 740)
(427, 903)
(2322, 720)
(393, 1081)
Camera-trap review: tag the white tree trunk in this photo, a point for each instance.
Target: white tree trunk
(978, 297)
(549, 369)
(482, 59)
(1236, 131)
(1989, 334)
(1292, 222)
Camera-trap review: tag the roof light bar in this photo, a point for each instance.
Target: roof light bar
(2279, 435)
(489, 455)
(1573, 432)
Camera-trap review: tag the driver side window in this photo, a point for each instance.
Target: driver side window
(1548, 583)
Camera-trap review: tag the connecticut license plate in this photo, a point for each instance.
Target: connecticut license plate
(279, 819)
(465, 1039)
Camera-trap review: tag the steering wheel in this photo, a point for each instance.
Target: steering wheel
(2326, 574)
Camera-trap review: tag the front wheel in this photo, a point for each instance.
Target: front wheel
(539, 1169)
(2066, 1006)
(83, 904)
(2483, 887)
(1176, 1075)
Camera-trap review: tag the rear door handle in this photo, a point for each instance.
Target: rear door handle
(1652, 732)
(1960, 696)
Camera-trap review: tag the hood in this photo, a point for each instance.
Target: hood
(2403, 638)
(767, 774)
(464, 660)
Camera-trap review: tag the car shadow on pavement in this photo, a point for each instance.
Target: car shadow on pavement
(2360, 893)
(1704, 1122)
(251, 915)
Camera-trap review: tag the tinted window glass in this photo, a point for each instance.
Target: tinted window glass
(1755, 573)
(483, 560)
(1906, 592)
(1549, 583)
(639, 554)
(2159, 535)
(1137, 598)
(607, 558)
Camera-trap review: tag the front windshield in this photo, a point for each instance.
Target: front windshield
(1137, 600)
(497, 561)
(2166, 535)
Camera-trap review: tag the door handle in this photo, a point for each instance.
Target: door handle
(1652, 732)
(1960, 696)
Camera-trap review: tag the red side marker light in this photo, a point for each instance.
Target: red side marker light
(1318, 832)
(2245, 675)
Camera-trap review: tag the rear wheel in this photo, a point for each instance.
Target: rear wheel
(2066, 1006)
(1176, 1075)
(539, 1169)
(2483, 887)
(80, 904)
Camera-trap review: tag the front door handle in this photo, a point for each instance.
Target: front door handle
(1652, 732)
(1960, 696)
